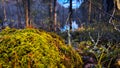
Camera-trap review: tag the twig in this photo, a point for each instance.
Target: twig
(98, 38)
(91, 38)
(110, 21)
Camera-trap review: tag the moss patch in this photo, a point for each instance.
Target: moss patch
(34, 48)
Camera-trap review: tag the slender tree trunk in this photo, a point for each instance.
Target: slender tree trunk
(18, 14)
(89, 11)
(100, 14)
(70, 23)
(27, 12)
(50, 9)
(4, 10)
(50, 15)
(70, 11)
(55, 15)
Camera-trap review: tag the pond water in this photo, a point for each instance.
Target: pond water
(66, 3)
(75, 4)
(74, 26)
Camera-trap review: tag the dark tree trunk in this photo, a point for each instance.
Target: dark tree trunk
(50, 9)
(89, 11)
(19, 15)
(50, 15)
(70, 11)
(29, 15)
(4, 10)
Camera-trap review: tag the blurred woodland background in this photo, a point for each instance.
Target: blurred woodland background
(56, 34)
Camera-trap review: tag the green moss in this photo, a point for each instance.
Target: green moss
(21, 46)
(34, 48)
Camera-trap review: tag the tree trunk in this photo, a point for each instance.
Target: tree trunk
(89, 11)
(4, 10)
(50, 15)
(18, 14)
(55, 15)
(27, 12)
(50, 9)
(70, 23)
(70, 11)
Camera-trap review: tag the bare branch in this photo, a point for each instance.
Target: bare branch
(98, 38)
(91, 38)
(110, 21)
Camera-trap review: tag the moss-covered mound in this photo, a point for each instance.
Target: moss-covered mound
(35, 48)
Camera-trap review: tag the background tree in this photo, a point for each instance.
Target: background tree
(4, 10)
(89, 11)
(52, 13)
(26, 4)
(70, 11)
(19, 14)
(55, 15)
(50, 9)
